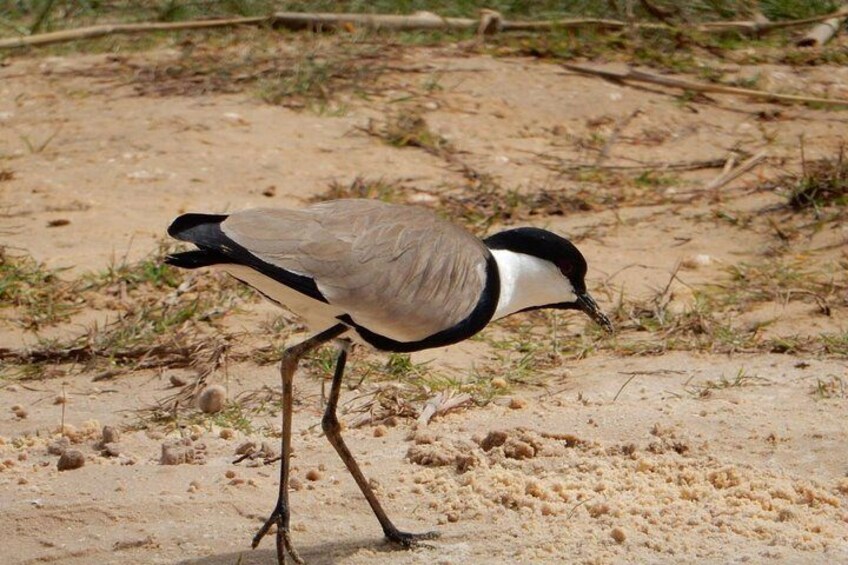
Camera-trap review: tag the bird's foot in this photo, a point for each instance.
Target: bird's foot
(284, 543)
(407, 539)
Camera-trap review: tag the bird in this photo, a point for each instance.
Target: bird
(396, 277)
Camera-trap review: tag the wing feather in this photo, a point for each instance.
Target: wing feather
(397, 270)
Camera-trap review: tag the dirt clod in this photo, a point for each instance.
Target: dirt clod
(177, 452)
(493, 439)
(518, 449)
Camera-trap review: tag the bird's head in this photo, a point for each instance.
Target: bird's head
(540, 269)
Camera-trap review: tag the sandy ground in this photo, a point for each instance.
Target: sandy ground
(616, 459)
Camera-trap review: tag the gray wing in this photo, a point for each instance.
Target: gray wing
(399, 271)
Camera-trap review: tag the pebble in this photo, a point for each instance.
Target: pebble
(59, 446)
(227, 433)
(177, 380)
(71, 459)
(110, 449)
(618, 535)
(212, 399)
(380, 431)
(109, 434)
(313, 475)
(499, 382)
(230, 474)
(246, 448)
(517, 403)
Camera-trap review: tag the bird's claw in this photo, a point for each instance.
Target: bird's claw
(407, 539)
(284, 543)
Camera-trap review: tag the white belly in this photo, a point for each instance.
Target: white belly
(317, 315)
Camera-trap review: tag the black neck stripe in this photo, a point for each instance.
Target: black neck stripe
(473, 323)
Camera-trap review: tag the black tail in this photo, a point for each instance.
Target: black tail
(196, 259)
(204, 230)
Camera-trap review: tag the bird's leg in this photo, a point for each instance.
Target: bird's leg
(280, 515)
(332, 429)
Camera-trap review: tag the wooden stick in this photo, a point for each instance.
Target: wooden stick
(417, 21)
(727, 177)
(641, 76)
(116, 29)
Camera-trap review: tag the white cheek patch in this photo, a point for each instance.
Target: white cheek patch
(528, 281)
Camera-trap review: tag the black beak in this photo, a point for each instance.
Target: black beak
(587, 304)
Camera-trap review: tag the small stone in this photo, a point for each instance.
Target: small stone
(295, 484)
(618, 535)
(22, 480)
(177, 380)
(380, 431)
(696, 261)
(21, 413)
(267, 451)
(313, 475)
(269, 191)
(212, 399)
(109, 434)
(230, 474)
(60, 399)
(71, 459)
(194, 486)
(59, 446)
(499, 382)
(517, 403)
(16, 407)
(453, 517)
(227, 433)
(110, 449)
(246, 448)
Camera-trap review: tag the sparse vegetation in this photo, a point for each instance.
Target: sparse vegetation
(822, 183)
(32, 295)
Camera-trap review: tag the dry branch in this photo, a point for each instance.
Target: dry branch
(641, 76)
(489, 22)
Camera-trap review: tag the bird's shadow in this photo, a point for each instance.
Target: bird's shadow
(326, 553)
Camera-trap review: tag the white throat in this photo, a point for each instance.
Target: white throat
(528, 281)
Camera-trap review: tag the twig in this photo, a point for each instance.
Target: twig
(418, 21)
(641, 76)
(616, 132)
(627, 382)
(729, 176)
(564, 166)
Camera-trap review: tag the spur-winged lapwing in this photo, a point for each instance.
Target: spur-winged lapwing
(396, 277)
